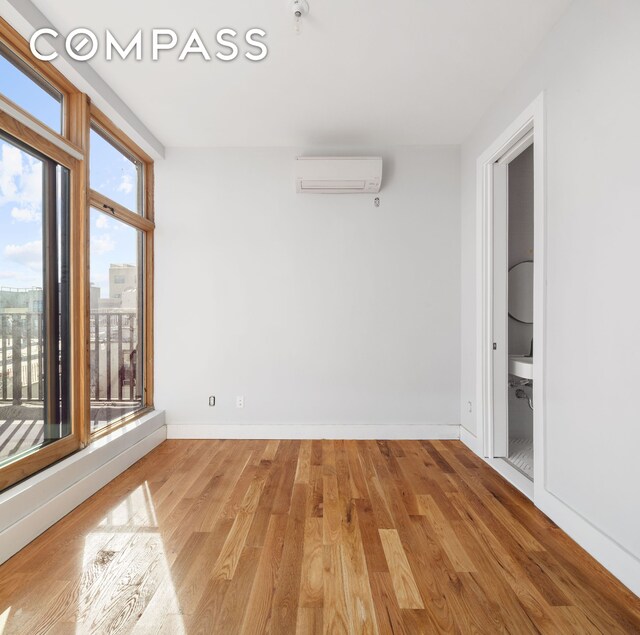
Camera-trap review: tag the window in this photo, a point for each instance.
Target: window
(114, 173)
(119, 235)
(76, 275)
(116, 325)
(27, 89)
(34, 305)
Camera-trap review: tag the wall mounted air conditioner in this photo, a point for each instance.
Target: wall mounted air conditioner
(338, 175)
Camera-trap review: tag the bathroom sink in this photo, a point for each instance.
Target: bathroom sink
(521, 366)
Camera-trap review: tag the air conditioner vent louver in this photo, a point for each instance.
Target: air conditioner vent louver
(338, 175)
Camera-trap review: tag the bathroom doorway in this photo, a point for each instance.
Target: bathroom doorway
(514, 443)
(511, 314)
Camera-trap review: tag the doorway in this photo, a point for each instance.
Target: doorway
(511, 329)
(513, 306)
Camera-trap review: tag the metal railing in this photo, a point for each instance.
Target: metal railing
(113, 354)
(21, 357)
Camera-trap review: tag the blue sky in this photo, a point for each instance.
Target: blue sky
(21, 195)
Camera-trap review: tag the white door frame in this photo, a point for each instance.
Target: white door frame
(508, 142)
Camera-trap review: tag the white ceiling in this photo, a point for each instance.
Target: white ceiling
(361, 73)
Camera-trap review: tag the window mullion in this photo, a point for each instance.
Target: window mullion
(51, 304)
(108, 206)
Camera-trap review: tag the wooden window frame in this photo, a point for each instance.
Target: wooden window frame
(55, 450)
(50, 74)
(71, 149)
(143, 221)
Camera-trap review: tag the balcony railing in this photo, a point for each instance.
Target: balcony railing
(114, 356)
(113, 351)
(21, 357)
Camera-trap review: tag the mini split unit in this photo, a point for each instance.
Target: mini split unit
(338, 175)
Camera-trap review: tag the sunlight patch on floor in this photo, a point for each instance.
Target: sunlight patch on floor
(4, 618)
(125, 571)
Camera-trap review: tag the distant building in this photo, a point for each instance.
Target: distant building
(94, 297)
(130, 299)
(122, 278)
(109, 303)
(123, 289)
(16, 300)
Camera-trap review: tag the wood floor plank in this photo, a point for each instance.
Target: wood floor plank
(371, 543)
(257, 616)
(359, 487)
(309, 621)
(234, 545)
(390, 620)
(404, 583)
(335, 611)
(316, 452)
(290, 536)
(446, 534)
(232, 610)
(288, 459)
(311, 587)
(331, 510)
(304, 463)
(362, 615)
(286, 597)
(258, 529)
(315, 506)
(271, 447)
(191, 586)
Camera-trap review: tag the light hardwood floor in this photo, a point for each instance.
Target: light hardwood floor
(309, 537)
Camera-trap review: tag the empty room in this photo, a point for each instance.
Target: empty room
(319, 317)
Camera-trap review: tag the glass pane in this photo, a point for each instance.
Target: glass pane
(19, 84)
(33, 292)
(115, 324)
(114, 173)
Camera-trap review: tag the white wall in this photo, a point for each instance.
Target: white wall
(316, 308)
(588, 69)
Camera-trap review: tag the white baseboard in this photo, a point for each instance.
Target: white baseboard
(470, 440)
(611, 555)
(314, 431)
(31, 507)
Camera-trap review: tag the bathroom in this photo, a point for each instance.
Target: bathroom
(520, 312)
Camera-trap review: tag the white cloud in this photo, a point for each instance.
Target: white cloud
(20, 177)
(102, 222)
(102, 244)
(26, 214)
(126, 184)
(10, 171)
(29, 254)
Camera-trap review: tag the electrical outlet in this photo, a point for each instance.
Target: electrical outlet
(212, 400)
(239, 401)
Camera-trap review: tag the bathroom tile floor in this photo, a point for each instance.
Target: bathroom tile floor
(521, 455)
